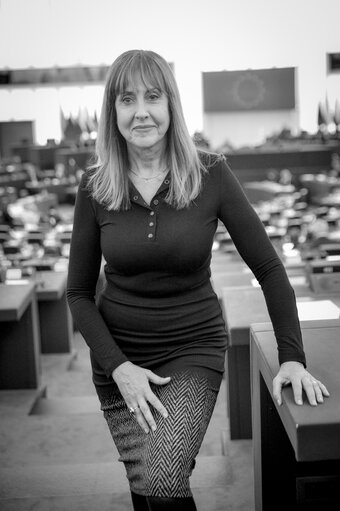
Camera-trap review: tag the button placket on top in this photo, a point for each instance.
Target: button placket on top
(152, 222)
(151, 216)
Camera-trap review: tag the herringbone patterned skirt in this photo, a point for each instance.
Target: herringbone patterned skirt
(160, 463)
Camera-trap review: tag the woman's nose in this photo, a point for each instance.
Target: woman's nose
(141, 111)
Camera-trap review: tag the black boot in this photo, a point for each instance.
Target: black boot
(139, 502)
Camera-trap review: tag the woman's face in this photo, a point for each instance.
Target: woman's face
(143, 116)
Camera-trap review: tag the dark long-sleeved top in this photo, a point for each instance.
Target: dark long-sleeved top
(158, 303)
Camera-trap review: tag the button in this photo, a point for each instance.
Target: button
(167, 181)
(150, 235)
(152, 213)
(155, 202)
(135, 197)
(151, 224)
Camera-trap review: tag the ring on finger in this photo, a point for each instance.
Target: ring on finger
(132, 410)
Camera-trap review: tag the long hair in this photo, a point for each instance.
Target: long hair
(108, 180)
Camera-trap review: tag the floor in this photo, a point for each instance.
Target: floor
(57, 454)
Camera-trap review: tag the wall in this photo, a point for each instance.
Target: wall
(196, 36)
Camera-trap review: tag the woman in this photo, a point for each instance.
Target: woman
(150, 207)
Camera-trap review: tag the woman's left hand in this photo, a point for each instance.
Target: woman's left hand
(296, 374)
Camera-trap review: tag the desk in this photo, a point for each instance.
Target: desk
(296, 448)
(54, 315)
(20, 340)
(59, 190)
(243, 306)
(319, 186)
(258, 191)
(245, 277)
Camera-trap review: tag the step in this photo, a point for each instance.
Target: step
(66, 405)
(67, 374)
(71, 384)
(214, 484)
(79, 438)
(96, 478)
(55, 439)
(19, 403)
(53, 364)
(227, 498)
(240, 454)
(67, 439)
(52, 407)
(104, 502)
(81, 362)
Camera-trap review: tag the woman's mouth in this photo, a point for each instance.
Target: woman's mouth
(145, 127)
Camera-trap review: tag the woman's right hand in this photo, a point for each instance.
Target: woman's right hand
(133, 383)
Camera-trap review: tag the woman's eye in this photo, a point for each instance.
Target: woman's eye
(153, 96)
(126, 100)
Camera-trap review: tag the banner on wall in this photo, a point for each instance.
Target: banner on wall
(257, 89)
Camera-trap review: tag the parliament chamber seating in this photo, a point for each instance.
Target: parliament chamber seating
(295, 447)
(310, 254)
(34, 247)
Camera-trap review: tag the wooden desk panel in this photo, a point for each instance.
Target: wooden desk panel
(14, 300)
(50, 285)
(54, 315)
(242, 276)
(243, 306)
(296, 447)
(19, 340)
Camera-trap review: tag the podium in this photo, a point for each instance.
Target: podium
(296, 448)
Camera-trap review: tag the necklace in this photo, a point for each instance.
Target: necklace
(147, 179)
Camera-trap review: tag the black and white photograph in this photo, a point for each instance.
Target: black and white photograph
(169, 255)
